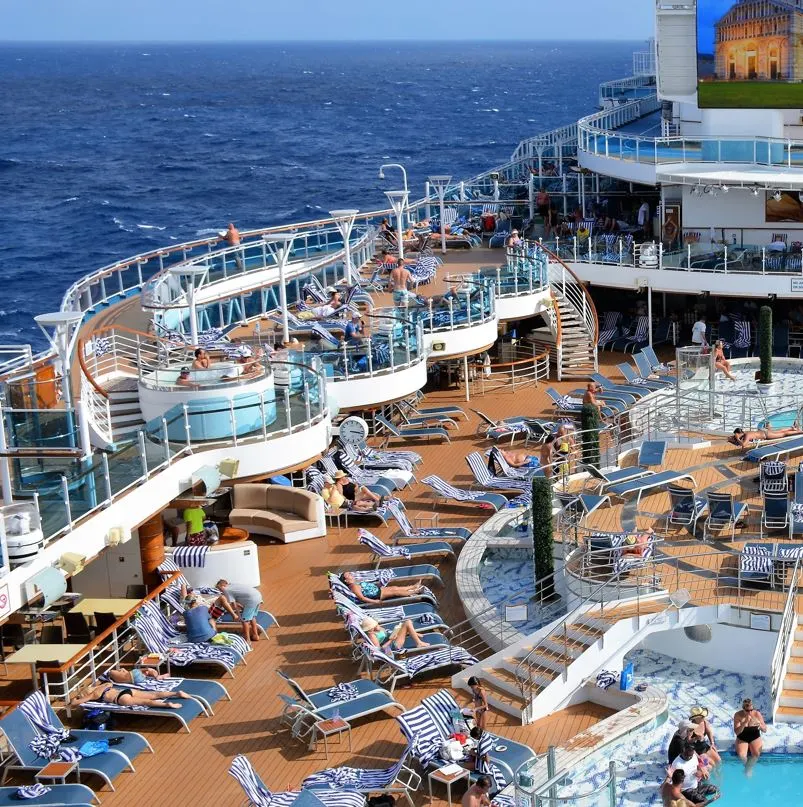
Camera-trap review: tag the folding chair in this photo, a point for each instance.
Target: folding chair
(723, 512)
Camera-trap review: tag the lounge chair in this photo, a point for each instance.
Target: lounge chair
(647, 482)
(20, 733)
(402, 477)
(508, 471)
(568, 405)
(772, 477)
(609, 329)
(410, 432)
(452, 411)
(511, 427)
(413, 419)
(796, 508)
(723, 512)
(580, 505)
(423, 615)
(259, 796)
(645, 369)
(632, 377)
(615, 476)
(427, 726)
(756, 566)
(775, 449)
(374, 481)
(656, 365)
(494, 501)
(382, 551)
(652, 452)
(336, 585)
(390, 669)
(432, 640)
(635, 392)
(74, 795)
(407, 530)
(685, 509)
(484, 479)
(775, 511)
(397, 780)
(635, 338)
(624, 559)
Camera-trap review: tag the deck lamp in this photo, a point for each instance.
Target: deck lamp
(344, 219)
(404, 179)
(441, 184)
(195, 275)
(398, 200)
(279, 245)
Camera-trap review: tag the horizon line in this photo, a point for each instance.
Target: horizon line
(302, 41)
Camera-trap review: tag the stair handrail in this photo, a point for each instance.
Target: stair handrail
(783, 644)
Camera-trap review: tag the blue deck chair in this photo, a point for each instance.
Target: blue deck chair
(337, 586)
(378, 463)
(656, 365)
(510, 427)
(397, 780)
(422, 615)
(392, 668)
(609, 329)
(74, 795)
(756, 565)
(635, 337)
(775, 449)
(775, 512)
(20, 733)
(486, 481)
(565, 404)
(412, 418)
(686, 508)
(188, 709)
(723, 512)
(410, 432)
(415, 409)
(375, 481)
(399, 574)
(259, 796)
(382, 551)
(644, 366)
(615, 476)
(505, 470)
(617, 399)
(648, 482)
(632, 377)
(207, 692)
(637, 391)
(432, 640)
(447, 492)
(796, 508)
(580, 505)
(772, 477)
(624, 560)
(743, 340)
(407, 530)
(652, 452)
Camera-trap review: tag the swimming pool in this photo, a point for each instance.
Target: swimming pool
(774, 779)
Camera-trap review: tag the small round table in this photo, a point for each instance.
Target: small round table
(231, 535)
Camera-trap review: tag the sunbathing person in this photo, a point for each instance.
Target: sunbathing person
(109, 693)
(375, 592)
(390, 640)
(337, 495)
(637, 544)
(742, 438)
(520, 459)
(720, 362)
(136, 675)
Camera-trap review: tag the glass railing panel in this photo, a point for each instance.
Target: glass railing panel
(41, 428)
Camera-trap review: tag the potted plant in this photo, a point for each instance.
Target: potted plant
(764, 383)
(543, 560)
(589, 422)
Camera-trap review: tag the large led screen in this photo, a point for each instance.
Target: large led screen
(750, 53)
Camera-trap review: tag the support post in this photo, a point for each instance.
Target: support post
(465, 374)
(344, 219)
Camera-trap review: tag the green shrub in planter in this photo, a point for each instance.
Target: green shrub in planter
(589, 423)
(765, 344)
(543, 561)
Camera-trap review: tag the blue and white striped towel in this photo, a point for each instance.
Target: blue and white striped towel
(190, 556)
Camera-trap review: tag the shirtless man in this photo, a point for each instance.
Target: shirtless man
(233, 239)
(201, 360)
(743, 438)
(671, 794)
(520, 459)
(547, 450)
(400, 278)
(590, 396)
(477, 794)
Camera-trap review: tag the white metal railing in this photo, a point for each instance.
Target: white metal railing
(644, 63)
(597, 133)
(476, 304)
(523, 368)
(14, 357)
(632, 87)
(783, 644)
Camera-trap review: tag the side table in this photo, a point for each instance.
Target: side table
(448, 778)
(334, 725)
(54, 771)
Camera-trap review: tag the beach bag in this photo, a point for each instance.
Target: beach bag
(96, 720)
(451, 751)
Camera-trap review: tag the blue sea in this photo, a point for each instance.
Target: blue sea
(111, 150)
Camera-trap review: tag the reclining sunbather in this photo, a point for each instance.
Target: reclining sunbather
(637, 544)
(347, 495)
(109, 693)
(136, 675)
(742, 438)
(375, 592)
(520, 459)
(390, 640)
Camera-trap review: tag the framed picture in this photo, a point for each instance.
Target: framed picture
(516, 613)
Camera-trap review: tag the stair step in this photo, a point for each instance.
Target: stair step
(498, 692)
(793, 680)
(124, 419)
(509, 677)
(573, 647)
(791, 697)
(790, 714)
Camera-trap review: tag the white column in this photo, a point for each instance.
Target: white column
(465, 375)
(531, 195)
(193, 313)
(280, 245)
(345, 224)
(441, 184)
(398, 199)
(649, 311)
(427, 208)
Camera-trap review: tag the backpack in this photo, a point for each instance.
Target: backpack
(97, 720)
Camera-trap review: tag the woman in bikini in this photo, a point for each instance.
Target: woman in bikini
(743, 438)
(109, 693)
(748, 723)
(479, 702)
(702, 735)
(390, 640)
(136, 675)
(720, 362)
(373, 593)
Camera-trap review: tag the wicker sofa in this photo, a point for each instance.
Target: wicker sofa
(289, 514)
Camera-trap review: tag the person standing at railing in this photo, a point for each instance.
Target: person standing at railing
(644, 219)
(233, 238)
(698, 333)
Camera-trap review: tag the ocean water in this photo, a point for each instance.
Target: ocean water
(111, 150)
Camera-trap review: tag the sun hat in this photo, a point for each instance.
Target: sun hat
(698, 711)
(338, 474)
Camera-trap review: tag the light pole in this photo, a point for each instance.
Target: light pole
(280, 245)
(398, 199)
(441, 183)
(345, 223)
(404, 177)
(195, 277)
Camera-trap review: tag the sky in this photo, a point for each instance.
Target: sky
(708, 12)
(251, 20)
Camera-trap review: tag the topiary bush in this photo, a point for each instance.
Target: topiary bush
(543, 561)
(589, 423)
(765, 344)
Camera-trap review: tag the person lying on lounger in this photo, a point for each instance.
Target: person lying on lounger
(636, 544)
(390, 640)
(136, 675)
(742, 437)
(109, 693)
(520, 459)
(375, 592)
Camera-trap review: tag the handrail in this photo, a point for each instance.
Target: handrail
(99, 639)
(786, 632)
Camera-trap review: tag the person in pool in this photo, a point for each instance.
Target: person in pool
(742, 437)
(371, 592)
(109, 693)
(390, 640)
(748, 723)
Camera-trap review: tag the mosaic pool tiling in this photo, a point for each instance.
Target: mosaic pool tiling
(643, 754)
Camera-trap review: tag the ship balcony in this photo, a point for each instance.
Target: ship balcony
(521, 284)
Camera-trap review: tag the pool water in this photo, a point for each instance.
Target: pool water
(775, 779)
(780, 420)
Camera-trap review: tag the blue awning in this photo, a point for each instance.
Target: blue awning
(49, 582)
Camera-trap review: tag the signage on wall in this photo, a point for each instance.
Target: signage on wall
(797, 285)
(760, 622)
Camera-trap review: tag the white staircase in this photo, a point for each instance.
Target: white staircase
(790, 703)
(532, 678)
(126, 415)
